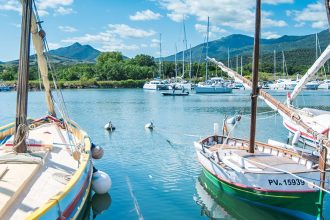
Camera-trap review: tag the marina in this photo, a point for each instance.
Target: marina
(161, 166)
(130, 139)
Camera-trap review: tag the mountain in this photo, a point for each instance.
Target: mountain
(298, 50)
(77, 51)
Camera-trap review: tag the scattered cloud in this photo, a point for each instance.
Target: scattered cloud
(10, 5)
(58, 7)
(63, 11)
(67, 29)
(126, 31)
(145, 16)
(232, 16)
(53, 46)
(154, 43)
(112, 39)
(313, 14)
(270, 35)
(214, 31)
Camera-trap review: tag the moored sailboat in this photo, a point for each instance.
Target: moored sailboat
(46, 170)
(262, 174)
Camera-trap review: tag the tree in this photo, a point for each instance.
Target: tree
(143, 60)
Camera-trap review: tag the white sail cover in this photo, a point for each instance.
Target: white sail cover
(42, 63)
(325, 56)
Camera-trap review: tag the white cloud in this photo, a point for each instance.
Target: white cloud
(313, 14)
(270, 35)
(63, 11)
(126, 31)
(145, 15)
(67, 29)
(58, 7)
(154, 43)
(235, 14)
(10, 5)
(112, 39)
(214, 31)
(53, 46)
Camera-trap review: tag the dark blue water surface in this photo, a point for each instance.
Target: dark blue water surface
(155, 173)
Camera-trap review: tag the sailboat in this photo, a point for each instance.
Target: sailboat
(260, 173)
(215, 84)
(46, 168)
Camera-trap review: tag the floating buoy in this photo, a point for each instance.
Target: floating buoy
(100, 203)
(101, 182)
(150, 125)
(109, 126)
(97, 152)
(296, 137)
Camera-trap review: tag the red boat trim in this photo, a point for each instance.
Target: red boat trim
(292, 129)
(253, 188)
(68, 211)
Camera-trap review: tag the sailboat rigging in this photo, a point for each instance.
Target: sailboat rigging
(259, 172)
(45, 163)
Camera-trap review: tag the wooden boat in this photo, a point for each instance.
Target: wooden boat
(46, 168)
(263, 174)
(270, 177)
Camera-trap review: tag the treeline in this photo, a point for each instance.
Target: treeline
(112, 66)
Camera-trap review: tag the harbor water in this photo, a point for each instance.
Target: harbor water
(155, 173)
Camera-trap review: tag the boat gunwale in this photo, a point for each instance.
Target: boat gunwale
(85, 157)
(285, 151)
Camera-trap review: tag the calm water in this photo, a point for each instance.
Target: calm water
(155, 174)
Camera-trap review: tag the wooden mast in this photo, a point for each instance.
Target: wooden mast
(255, 90)
(23, 79)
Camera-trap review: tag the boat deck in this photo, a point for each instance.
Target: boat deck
(28, 182)
(266, 162)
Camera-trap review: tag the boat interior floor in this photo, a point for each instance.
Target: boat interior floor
(27, 181)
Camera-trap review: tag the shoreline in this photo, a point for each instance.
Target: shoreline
(85, 84)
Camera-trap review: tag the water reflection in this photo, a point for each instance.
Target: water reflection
(217, 205)
(96, 206)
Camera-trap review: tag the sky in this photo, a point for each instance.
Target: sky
(134, 26)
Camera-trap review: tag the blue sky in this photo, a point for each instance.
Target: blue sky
(133, 26)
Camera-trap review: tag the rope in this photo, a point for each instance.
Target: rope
(21, 134)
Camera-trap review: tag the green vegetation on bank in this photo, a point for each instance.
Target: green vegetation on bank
(111, 70)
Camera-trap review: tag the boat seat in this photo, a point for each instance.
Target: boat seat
(14, 178)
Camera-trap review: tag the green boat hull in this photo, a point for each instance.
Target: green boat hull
(300, 205)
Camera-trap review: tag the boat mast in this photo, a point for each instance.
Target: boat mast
(207, 48)
(255, 90)
(184, 45)
(237, 63)
(176, 65)
(23, 79)
(241, 65)
(190, 63)
(160, 55)
(274, 64)
(228, 58)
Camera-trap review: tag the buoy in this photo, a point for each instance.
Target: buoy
(97, 152)
(100, 203)
(231, 120)
(150, 125)
(101, 182)
(296, 137)
(109, 126)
